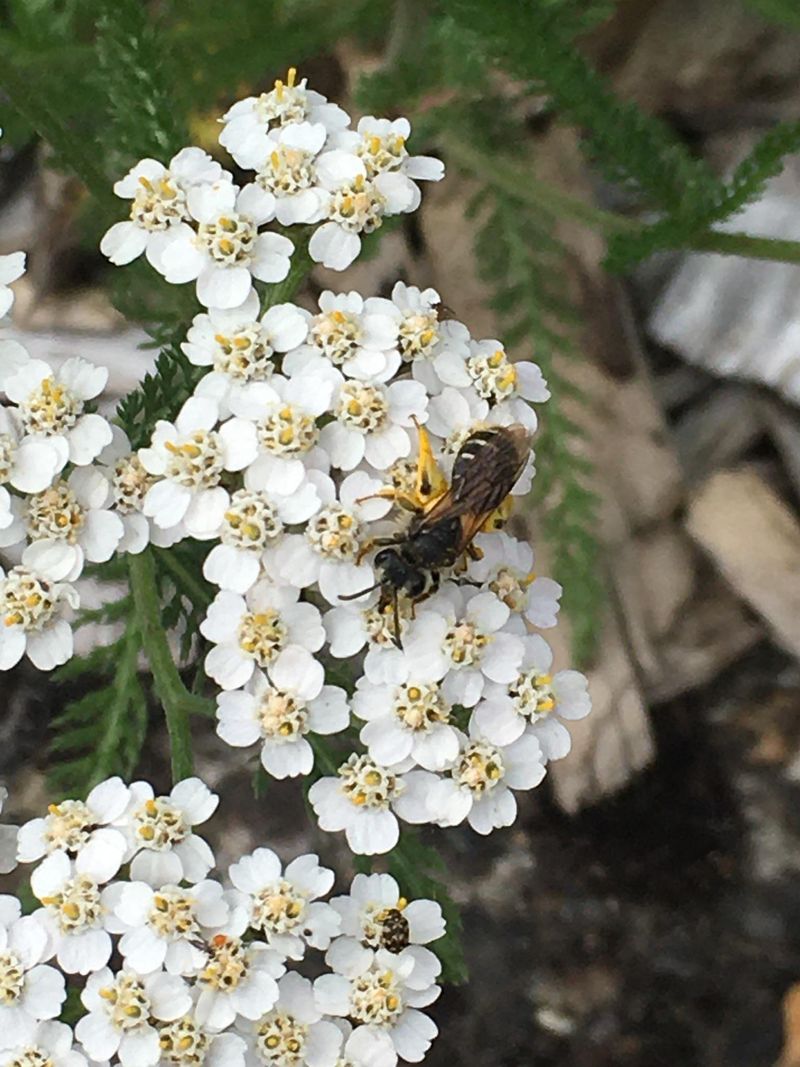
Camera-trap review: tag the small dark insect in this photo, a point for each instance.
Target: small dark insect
(446, 518)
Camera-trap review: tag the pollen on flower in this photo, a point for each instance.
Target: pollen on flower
(27, 600)
(357, 207)
(337, 333)
(229, 240)
(50, 409)
(31, 1056)
(278, 908)
(68, 825)
(379, 623)
(12, 977)
(479, 768)
(464, 644)
(54, 514)
(250, 521)
(420, 707)
(262, 635)
(282, 716)
(286, 102)
(335, 532)
(362, 407)
(126, 1003)
(158, 204)
(77, 906)
(376, 998)
(173, 914)
(288, 430)
(281, 1039)
(532, 694)
(197, 462)
(8, 450)
(419, 335)
(287, 171)
(381, 153)
(183, 1043)
(227, 963)
(130, 482)
(244, 355)
(494, 375)
(366, 784)
(509, 587)
(159, 825)
(454, 441)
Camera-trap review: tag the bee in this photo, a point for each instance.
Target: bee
(446, 518)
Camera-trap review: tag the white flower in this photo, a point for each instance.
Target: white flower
(357, 336)
(381, 993)
(33, 608)
(478, 786)
(406, 721)
(237, 981)
(251, 524)
(351, 626)
(226, 251)
(29, 991)
(455, 414)
(50, 405)
(423, 335)
(459, 638)
(8, 839)
(354, 204)
(286, 174)
(28, 462)
(162, 927)
(327, 551)
(190, 457)
(506, 569)
(122, 1011)
(363, 799)
(252, 632)
(280, 711)
(11, 267)
(187, 1043)
(374, 916)
(381, 144)
(364, 1047)
(284, 906)
(165, 850)
(248, 122)
(66, 524)
(47, 1045)
(83, 829)
(129, 485)
(496, 378)
(294, 1033)
(74, 910)
(371, 421)
(240, 346)
(284, 412)
(534, 702)
(158, 203)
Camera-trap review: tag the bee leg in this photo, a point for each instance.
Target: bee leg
(430, 482)
(397, 496)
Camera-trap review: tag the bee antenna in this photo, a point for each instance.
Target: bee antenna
(361, 592)
(398, 639)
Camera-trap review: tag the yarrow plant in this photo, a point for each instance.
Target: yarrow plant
(282, 457)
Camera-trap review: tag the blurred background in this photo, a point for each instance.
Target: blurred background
(645, 908)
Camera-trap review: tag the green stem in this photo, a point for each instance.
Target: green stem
(172, 693)
(519, 183)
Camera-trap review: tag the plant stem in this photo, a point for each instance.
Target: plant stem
(172, 693)
(520, 184)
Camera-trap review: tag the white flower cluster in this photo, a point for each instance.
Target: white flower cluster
(178, 969)
(194, 224)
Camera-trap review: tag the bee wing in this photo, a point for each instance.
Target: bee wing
(489, 463)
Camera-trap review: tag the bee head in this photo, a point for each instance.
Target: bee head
(395, 571)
